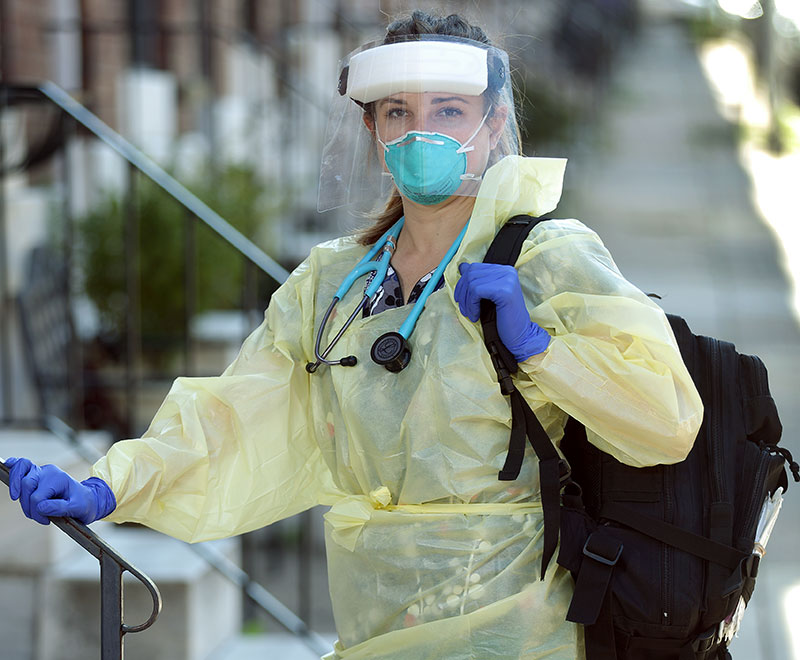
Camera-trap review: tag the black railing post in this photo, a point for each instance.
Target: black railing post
(74, 361)
(189, 290)
(5, 294)
(133, 307)
(111, 607)
(244, 301)
(204, 11)
(252, 308)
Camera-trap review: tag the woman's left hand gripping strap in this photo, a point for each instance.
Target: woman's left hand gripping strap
(500, 284)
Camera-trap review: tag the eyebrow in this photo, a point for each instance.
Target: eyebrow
(391, 100)
(447, 99)
(434, 100)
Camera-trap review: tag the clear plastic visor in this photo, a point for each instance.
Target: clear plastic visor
(434, 86)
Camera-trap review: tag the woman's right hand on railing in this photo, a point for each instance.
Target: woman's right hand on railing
(48, 492)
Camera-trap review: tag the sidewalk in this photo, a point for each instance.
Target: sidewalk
(662, 185)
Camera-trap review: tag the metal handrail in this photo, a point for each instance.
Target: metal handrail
(112, 566)
(156, 173)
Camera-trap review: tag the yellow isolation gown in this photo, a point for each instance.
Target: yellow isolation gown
(430, 556)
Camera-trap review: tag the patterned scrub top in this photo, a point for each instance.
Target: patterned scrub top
(390, 293)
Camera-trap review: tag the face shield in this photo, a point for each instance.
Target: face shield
(423, 117)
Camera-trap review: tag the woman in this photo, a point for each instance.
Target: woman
(430, 555)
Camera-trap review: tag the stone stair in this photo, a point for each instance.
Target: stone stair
(269, 646)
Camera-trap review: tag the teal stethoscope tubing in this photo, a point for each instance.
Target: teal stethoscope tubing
(408, 325)
(386, 247)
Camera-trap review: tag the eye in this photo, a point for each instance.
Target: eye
(450, 112)
(395, 113)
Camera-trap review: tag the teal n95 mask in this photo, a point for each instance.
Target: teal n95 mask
(416, 107)
(427, 167)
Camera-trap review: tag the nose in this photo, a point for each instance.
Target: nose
(417, 123)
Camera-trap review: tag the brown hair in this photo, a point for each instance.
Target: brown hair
(420, 22)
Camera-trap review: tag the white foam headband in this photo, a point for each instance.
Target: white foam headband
(417, 66)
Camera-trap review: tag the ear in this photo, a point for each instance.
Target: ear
(369, 122)
(496, 124)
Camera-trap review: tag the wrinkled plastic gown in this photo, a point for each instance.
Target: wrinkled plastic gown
(430, 556)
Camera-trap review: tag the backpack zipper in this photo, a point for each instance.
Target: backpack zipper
(753, 506)
(715, 441)
(666, 551)
(758, 376)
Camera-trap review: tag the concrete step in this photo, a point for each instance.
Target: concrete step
(269, 646)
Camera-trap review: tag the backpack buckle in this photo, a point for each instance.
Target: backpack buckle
(605, 549)
(705, 641)
(564, 472)
(594, 577)
(503, 373)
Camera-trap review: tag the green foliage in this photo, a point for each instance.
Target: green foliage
(254, 627)
(236, 195)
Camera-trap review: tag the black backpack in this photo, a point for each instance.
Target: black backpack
(660, 555)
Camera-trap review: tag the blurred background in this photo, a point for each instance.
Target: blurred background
(159, 164)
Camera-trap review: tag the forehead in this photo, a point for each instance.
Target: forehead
(423, 99)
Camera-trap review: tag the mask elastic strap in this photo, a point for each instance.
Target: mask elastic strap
(385, 148)
(378, 137)
(464, 148)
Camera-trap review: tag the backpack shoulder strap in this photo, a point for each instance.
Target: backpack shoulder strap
(505, 249)
(507, 244)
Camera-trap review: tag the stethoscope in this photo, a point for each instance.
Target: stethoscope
(390, 350)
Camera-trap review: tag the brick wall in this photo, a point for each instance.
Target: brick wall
(27, 46)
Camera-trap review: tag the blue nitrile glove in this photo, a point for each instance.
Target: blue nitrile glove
(47, 491)
(500, 284)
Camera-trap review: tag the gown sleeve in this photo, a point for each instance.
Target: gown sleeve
(613, 363)
(232, 453)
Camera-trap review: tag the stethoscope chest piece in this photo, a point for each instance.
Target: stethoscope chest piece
(391, 350)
